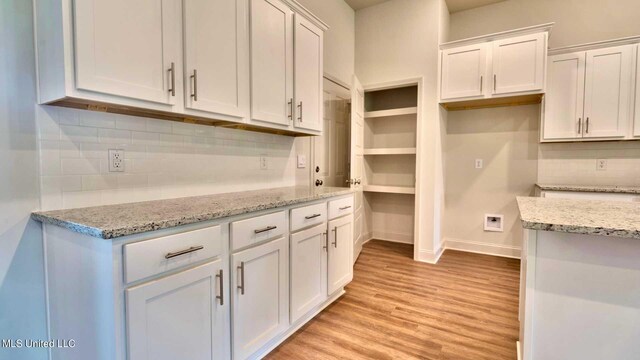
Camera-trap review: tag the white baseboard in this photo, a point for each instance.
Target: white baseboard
(430, 256)
(393, 237)
(518, 351)
(482, 248)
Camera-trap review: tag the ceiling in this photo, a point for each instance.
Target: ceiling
(454, 5)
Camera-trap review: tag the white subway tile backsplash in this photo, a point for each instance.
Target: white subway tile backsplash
(97, 119)
(131, 123)
(80, 166)
(99, 182)
(145, 138)
(78, 134)
(183, 128)
(113, 136)
(132, 181)
(154, 125)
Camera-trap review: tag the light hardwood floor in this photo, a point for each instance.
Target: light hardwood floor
(465, 307)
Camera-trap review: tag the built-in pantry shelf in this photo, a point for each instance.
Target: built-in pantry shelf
(390, 151)
(391, 112)
(390, 189)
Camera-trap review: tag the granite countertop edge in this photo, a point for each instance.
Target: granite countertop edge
(107, 233)
(590, 188)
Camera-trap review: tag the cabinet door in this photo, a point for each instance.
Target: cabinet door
(127, 48)
(308, 74)
(271, 62)
(519, 64)
(308, 270)
(564, 99)
(608, 89)
(260, 296)
(357, 160)
(181, 316)
(340, 264)
(636, 126)
(217, 56)
(464, 72)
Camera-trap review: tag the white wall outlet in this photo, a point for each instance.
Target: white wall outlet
(302, 161)
(494, 222)
(116, 160)
(479, 163)
(601, 164)
(264, 163)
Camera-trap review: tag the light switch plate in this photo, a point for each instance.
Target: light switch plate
(302, 161)
(479, 163)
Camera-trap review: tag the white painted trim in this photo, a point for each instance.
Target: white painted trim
(518, 350)
(499, 35)
(300, 9)
(336, 81)
(478, 247)
(394, 84)
(595, 45)
(393, 237)
(430, 256)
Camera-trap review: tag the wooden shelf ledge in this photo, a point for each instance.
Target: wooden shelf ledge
(389, 189)
(390, 151)
(390, 112)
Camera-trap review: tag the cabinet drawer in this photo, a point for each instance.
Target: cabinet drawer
(151, 257)
(340, 207)
(257, 229)
(308, 215)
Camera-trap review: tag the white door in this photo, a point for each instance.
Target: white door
(357, 162)
(608, 89)
(181, 316)
(518, 64)
(272, 62)
(636, 127)
(331, 155)
(128, 48)
(260, 288)
(308, 74)
(308, 270)
(216, 47)
(464, 72)
(340, 264)
(564, 99)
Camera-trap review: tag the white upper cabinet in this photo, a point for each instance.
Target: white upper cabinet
(127, 49)
(308, 74)
(502, 65)
(608, 90)
(519, 64)
(464, 72)
(216, 48)
(564, 104)
(272, 62)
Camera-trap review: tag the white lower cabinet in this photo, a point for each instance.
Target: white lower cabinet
(181, 316)
(308, 270)
(260, 295)
(340, 264)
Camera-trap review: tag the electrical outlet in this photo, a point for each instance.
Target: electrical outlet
(264, 163)
(478, 163)
(302, 161)
(116, 160)
(601, 164)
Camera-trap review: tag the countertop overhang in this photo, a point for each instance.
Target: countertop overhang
(112, 221)
(590, 217)
(591, 188)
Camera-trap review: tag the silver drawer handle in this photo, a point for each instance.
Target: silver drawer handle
(265, 229)
(345, 207)
(183, 252)
(241, 285)
(326, 241)
(312, 216)
(221, 296)
(335, 236)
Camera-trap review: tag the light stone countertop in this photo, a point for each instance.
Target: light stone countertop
(590, 217)
(591, 188)
(112, 221)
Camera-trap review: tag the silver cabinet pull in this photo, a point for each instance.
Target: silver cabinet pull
(586, 127)
(495, 80)
(290, 103)
(579, 125)
(481, 78)
(326, 241)
(265, 229)
(221, 296)
(300, 114)
(345, 207)
(241, 285)
(358, 181)
(335, 237)
(194, 94)
(312, 216)
(183, 252)
(172, 70)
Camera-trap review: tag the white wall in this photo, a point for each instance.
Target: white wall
(22, 304)
(577, 21)
(397, 40)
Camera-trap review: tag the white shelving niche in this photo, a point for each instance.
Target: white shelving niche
(390, 150)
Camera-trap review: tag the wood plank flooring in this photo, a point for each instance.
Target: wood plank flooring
(465, 307)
